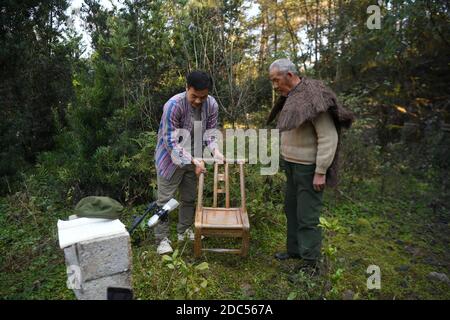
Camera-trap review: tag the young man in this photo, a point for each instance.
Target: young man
(310, 121)
(176, 166)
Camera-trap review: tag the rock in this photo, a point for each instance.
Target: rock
(94, 265)
(442, 277)
(101, 257)
(348, 295)
(97, 289)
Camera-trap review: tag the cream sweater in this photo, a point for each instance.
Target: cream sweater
(313, 142)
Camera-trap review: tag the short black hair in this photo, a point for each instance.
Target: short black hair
(199, 80)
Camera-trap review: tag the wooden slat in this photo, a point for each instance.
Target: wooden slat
(239, 217)
(201, 180)
(242, 185)
(234, 233)
(221, 226)
(227, 187)
(236, 251)
(216, 169)
(221, 209)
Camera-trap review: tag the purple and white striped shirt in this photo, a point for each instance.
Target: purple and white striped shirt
(178, 114)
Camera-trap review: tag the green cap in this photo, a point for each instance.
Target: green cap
(98, 207)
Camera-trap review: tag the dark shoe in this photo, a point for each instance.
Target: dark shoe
(285, 256)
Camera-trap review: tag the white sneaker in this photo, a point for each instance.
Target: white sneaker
(164, 247)
(188, 234)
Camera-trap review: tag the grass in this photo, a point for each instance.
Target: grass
(403, 230)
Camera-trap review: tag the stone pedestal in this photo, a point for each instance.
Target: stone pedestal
(97, 264)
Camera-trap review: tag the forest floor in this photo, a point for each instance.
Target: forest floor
(404, 230)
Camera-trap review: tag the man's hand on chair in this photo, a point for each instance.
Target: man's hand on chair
(218, 156)
(199, 166)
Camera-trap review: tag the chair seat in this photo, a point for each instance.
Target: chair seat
(222, 218)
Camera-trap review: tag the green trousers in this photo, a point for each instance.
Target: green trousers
(302, 207)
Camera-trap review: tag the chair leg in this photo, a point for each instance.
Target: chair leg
(197, 243)
(245, 244)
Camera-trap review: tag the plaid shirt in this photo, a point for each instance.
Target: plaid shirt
(178, 114)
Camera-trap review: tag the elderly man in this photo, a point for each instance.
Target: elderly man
(176, 167)
(310, 120)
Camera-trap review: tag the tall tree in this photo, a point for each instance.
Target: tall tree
(36, 84)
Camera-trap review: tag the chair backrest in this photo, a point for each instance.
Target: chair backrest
(222, 177)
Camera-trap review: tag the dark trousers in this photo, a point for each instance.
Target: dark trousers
(302, 207)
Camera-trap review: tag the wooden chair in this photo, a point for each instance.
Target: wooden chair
(221, 222)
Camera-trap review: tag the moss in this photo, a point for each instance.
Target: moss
(362, 224)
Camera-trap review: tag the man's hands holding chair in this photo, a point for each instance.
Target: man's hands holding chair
(200, 164)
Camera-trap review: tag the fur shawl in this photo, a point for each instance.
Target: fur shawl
(305, 103)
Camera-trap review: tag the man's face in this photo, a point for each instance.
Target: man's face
(281, 82)
(196, 97)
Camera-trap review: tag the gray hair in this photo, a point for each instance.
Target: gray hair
(284, 66)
